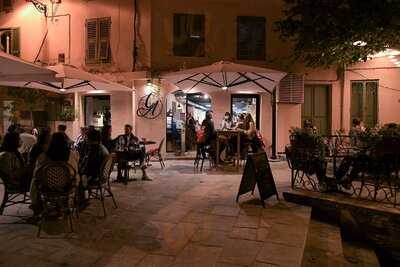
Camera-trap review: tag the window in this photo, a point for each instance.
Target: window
(9, 41)
(5, 5)
(189, 35)
(364, 102)
(251, 43)
(246, 103)
(98, 48)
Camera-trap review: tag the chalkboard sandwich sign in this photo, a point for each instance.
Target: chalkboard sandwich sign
(258, 172)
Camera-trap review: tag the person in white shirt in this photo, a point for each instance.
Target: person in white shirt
(227, 122)
(27, 142)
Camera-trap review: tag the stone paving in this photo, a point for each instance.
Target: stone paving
(181, 218)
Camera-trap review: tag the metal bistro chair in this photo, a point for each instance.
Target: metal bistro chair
(98, 189)
(56, 184)
(156, 153)
(13, 194)
(202, 153)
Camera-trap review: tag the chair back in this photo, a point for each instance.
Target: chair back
(56, 177)
(106, 169)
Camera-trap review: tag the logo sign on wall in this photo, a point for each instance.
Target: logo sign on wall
(150, 106)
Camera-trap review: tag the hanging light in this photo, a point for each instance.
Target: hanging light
(224, 88)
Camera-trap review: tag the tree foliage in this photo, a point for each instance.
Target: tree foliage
(324, 31)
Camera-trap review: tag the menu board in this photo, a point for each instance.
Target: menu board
(258, 172)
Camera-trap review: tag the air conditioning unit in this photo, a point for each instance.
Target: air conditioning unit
(291, 89)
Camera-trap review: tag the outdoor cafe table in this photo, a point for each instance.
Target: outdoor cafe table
(229, 134)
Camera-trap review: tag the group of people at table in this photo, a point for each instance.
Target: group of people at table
(208, 136)
(22, 154)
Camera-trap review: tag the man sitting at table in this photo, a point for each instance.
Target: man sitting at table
(128, 149)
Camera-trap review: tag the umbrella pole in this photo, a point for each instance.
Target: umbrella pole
(274, 122)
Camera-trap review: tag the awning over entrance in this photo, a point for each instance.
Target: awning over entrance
(69, 79)
(15, 69)
(226, 76)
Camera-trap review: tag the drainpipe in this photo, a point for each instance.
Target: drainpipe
(341, 76)
(135, 48)
(274, 122)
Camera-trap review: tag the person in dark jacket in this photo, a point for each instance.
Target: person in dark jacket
(92, 156)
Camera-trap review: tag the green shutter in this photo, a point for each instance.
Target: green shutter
(316, 107)
(371, 105)
(15, 42)
(104, 28)
(364, 102)
(91, 41)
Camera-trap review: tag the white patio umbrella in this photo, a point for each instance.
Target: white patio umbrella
(231, 77)
(15, 69)
(70, 79)
(226, 75)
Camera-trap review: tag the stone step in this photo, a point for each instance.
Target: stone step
(324, 245)
(359, 226)
(327, 246)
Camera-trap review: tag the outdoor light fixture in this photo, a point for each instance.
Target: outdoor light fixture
(40, 6)
(224, 88)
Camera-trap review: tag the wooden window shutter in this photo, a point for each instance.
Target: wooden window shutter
(291, 89)
(91, 41)
(104, 39)
(15, 42)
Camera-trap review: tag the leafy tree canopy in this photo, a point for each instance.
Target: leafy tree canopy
(336, 32)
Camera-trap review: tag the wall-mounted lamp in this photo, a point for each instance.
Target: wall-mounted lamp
(40, 6)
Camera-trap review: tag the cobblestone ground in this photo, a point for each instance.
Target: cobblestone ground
(181, 218)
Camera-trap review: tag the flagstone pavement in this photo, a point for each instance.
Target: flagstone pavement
(181, 218)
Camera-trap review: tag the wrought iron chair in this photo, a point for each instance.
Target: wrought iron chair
(156, 153)
(99, 188)
(203, 152)
(13, 194)
(56, 184)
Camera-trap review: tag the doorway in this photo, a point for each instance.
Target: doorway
(97, 110)
(185, 113)
(317, 107)
(364, 102)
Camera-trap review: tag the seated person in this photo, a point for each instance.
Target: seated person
(106, 139)
(356, 130)
(12, 166)
(59, 151)
(40, 147)
(62, 128)
(309, 127)
(240, 122)
(210, 136)
(27, 142)
(81, 138)
(91, 157)
(227, 122)
(128, 148)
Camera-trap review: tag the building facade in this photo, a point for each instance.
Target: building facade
(135, 42)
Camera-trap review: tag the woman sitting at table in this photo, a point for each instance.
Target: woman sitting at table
(12, 168)
(227, 122)
(58, 151)
(251, 134)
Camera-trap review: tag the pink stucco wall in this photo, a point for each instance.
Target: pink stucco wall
(155, 41)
